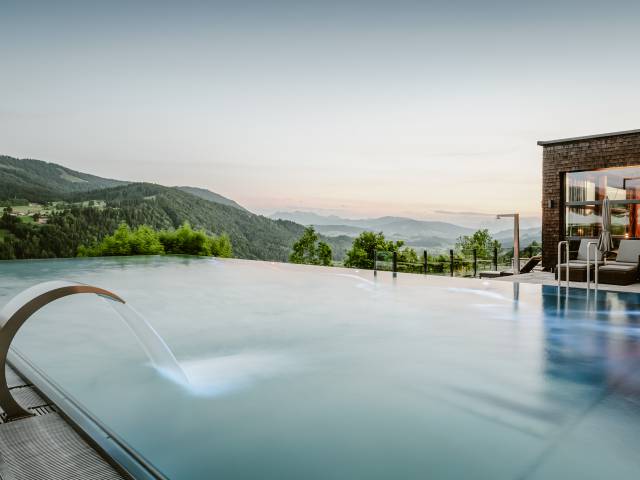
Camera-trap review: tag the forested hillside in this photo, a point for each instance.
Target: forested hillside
(211, 196)
(82, 217)
(40, 181)
(252, 236)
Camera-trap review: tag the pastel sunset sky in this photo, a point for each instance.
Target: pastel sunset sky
(353, 108)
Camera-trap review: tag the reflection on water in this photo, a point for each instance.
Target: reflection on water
(591, 338)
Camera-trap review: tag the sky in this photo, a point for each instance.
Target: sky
(428, 109)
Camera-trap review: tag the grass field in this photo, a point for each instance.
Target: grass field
(45, 210)
(30, 209)
(100, 204)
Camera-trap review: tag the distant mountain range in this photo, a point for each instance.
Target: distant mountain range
(416, 233)
(527, 236)
(390, 225)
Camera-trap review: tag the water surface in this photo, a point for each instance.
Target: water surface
(324, 373)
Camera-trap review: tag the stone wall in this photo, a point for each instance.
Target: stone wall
(610, 150)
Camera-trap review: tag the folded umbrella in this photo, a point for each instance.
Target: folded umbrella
(605, 242)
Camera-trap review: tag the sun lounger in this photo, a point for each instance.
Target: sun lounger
(530, 265)
(624, 270)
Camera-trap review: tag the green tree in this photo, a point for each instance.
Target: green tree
(481, 241)
(187, 241)
(408, 255)
(324, 254)
(531, 250)
(221, 246)
(364, 246)
(124, 241)
(146, 241)
(308, 250)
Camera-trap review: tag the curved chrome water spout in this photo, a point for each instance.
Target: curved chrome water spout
(17, 311)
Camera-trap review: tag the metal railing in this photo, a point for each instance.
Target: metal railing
(566, 243)
(451, 264)
(590, 246)
(596, 262)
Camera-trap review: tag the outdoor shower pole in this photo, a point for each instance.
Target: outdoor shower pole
(426, 263)
(495, 258)
(516, 239)
(516, 243)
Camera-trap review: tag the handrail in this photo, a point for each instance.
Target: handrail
(18, 311)
(565, 242)
(596, 262)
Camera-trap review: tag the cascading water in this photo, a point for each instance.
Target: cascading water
(206, 376)
(154, 346)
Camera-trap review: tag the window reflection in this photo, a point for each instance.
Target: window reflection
(585, 192)
(584, 221)
(616, 183)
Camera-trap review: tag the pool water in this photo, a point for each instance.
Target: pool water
(301, 372)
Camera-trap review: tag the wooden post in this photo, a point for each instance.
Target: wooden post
(495, 258)
(426, 263)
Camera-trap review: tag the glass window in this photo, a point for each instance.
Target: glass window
(615, 183)
(583, 221)
(620, 220)
(585, 192)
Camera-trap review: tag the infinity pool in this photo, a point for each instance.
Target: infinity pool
(299, 372)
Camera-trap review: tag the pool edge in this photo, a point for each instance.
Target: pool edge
(107, 444)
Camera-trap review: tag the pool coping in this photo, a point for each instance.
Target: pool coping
(111, 447)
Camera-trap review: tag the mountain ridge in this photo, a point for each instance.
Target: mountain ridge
(212, 196)
(136, 203)
(399, 223)
(46, 181)
(415, 233)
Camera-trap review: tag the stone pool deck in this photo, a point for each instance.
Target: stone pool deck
(46, 446)
(548, 278)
